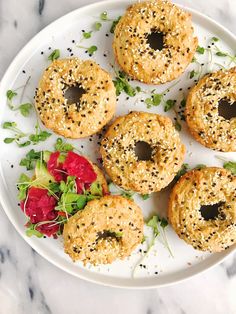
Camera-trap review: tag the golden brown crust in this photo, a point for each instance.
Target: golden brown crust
(121, 162)
(83, 232)
(96, 106)
(196, 188)
(134, 54)
(201, 112)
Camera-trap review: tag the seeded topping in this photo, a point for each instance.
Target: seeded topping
(202, 110)
(208, 189)
(123, 165)
(79, 119)
(131, 42)
(107, 229)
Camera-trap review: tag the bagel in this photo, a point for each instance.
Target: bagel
(95, 107)
(191, 196)
(106, 229)
(202, 111)
(135, 55)
(124, 166)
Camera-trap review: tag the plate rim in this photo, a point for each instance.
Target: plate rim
(3, 199)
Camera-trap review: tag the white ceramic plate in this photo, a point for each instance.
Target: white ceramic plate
(60, 34)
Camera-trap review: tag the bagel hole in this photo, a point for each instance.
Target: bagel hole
(108, 234)
(143, 150)
(155, 39)
(227, 109)
(211, 212)
(73, 94)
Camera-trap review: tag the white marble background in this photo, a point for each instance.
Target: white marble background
(28, 283)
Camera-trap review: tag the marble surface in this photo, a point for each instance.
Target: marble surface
(30, 284)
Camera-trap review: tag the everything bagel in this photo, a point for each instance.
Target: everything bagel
(192, 197)
(122, 164)
(202, 110)
(80, 119)
(106, 229)
(135, 55)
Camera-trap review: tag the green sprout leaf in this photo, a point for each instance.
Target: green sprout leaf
(192, 74)
(9, 125)
(30, 159)
(200, 50)
(11, 94)
(25, 109)
(97, 26)
(231, 166)
(177, 126)
(145, 196)
(169, 104)
(23, 184)
(87, 35)
(92, 49)
(54, 55)
(81, 202)
(221, 54)
(33, 232)
(200, 166)
(153, 223)
(8, 140)
(62, 146)
(103, 16)
(122, 85)
(184, 168)
(163, 223)
(215, 39)
(114, 23)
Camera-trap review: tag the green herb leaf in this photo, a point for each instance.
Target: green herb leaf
(192, 74)
(40, 137)
(24, 144)
(9, 125)
(221, 54)
(169, 104)
(177, 126)
(10, 94)
(215, 39)
(97, 26)
(122, 85)
(81, 202)
(157, 98)
(53, 188)
(92, 49)
(23, 184)
(230, 165)
(30, 159)
(9, 140)
(200, 50)
(114, 23)
(193, 60)
(200, 166)
(163, 223)
(128, 194)
(62, 146)
(153, 223)
(118, 234)
(182, 171)
(103, 16)
(145, 196)
(25, 109)
(87, 35)
(33, 232)
(54, 55)
(96, 189)
(183, 103)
